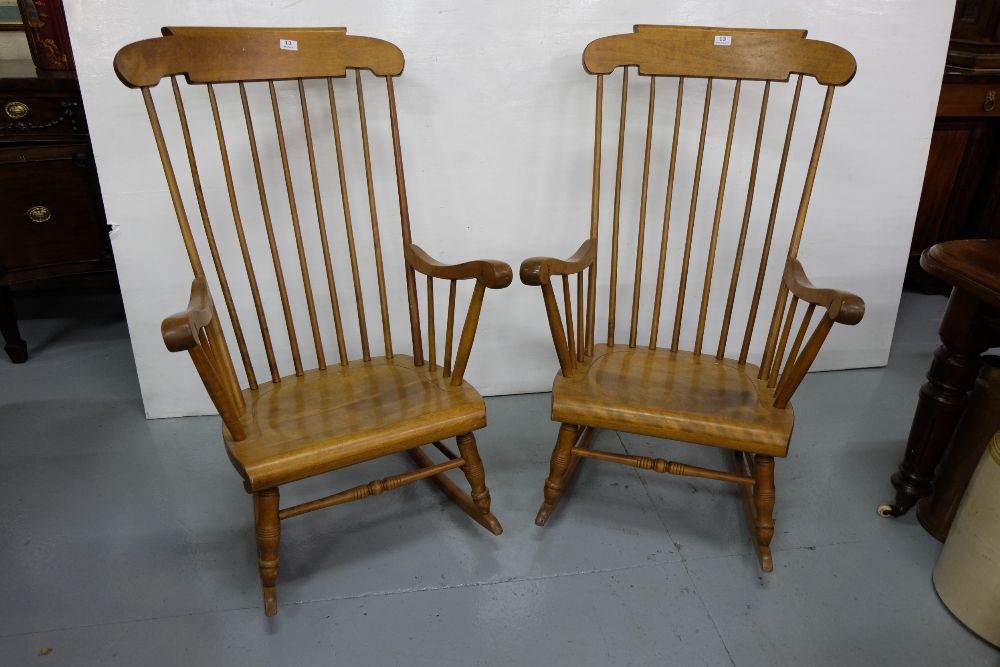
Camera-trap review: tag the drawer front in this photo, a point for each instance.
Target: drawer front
(51, 214)
(969, 99)
(40, 117)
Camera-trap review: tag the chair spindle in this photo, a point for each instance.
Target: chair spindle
(657, 300)
(296, 228)
(431, 341)
(595, 203)
(799, 337)
(579, 316)
(791, 380)
(780, 352)
(218, 342)
(247, 263)
(571, 342)
(617, 211)
(175, 195)
(640, 242)
(556, 327)
(450, 328)
(800, 218)
(210, 236)
(279, 275)
(324, 241)
(713, 244)
(737, 263)
(762, 269)
(349, 228)
(404, 220)
(379, 272)
(468, 334)
(681, 290)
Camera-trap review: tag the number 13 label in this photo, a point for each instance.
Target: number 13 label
(292, 45)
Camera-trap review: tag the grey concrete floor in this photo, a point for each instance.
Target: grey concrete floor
(129, 542)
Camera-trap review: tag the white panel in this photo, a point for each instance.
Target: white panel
(496, 117)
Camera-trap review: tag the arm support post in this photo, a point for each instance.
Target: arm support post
(841, 307)
(489, 273)
(186, 332)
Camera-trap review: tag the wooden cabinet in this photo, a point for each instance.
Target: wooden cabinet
(52, 219)
(961, 193)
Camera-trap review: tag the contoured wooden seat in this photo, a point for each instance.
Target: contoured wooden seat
(674, 395)
(694, 395)
(321, 419)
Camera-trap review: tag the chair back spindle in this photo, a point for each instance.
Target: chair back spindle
(211, 59)
(758, 60)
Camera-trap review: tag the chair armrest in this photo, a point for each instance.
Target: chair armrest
(490, 272)
(841, 307)
(180, 331)
(197, 332)
(537, 270)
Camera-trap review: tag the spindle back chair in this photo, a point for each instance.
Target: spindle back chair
(325, 418)
(668, 392)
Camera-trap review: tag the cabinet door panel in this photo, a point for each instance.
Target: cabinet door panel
(51, 219)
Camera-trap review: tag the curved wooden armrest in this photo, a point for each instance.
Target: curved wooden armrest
(180, 331)
(197, 332)
(490, 272)
(538, 270)
(841, 307)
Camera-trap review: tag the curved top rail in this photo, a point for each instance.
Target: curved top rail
(222, 55)
(723, 53)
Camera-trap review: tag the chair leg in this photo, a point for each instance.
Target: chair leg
(763, 499)
(268, 536)
(474, 472)
(556, 483)
(758, 503)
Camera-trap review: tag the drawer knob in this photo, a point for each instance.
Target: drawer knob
(16, 110)
(990, 101)
(39, 214)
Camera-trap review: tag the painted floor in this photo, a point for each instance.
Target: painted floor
(129, 542)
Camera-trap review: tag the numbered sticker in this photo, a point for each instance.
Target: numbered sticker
(720, 40)
(292, 45)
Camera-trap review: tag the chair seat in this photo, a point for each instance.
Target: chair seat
(674, 395)
(329, 419)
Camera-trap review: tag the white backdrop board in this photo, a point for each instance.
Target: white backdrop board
(496, 119)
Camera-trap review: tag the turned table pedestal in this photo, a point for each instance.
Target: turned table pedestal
(969, 328)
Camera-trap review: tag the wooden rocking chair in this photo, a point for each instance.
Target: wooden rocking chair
(323, 419)
(666, 392)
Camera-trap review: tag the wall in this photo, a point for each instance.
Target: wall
(496, 118)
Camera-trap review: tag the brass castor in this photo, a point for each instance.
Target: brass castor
(887, 511)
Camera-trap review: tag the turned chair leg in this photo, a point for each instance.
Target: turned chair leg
(556, 483)
(474, 472)
(268, 536)
(763, 499)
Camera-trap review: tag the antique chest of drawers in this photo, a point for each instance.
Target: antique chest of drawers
(52, 219)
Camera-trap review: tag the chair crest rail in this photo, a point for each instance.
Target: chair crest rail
(762, 55)
(217, 55)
